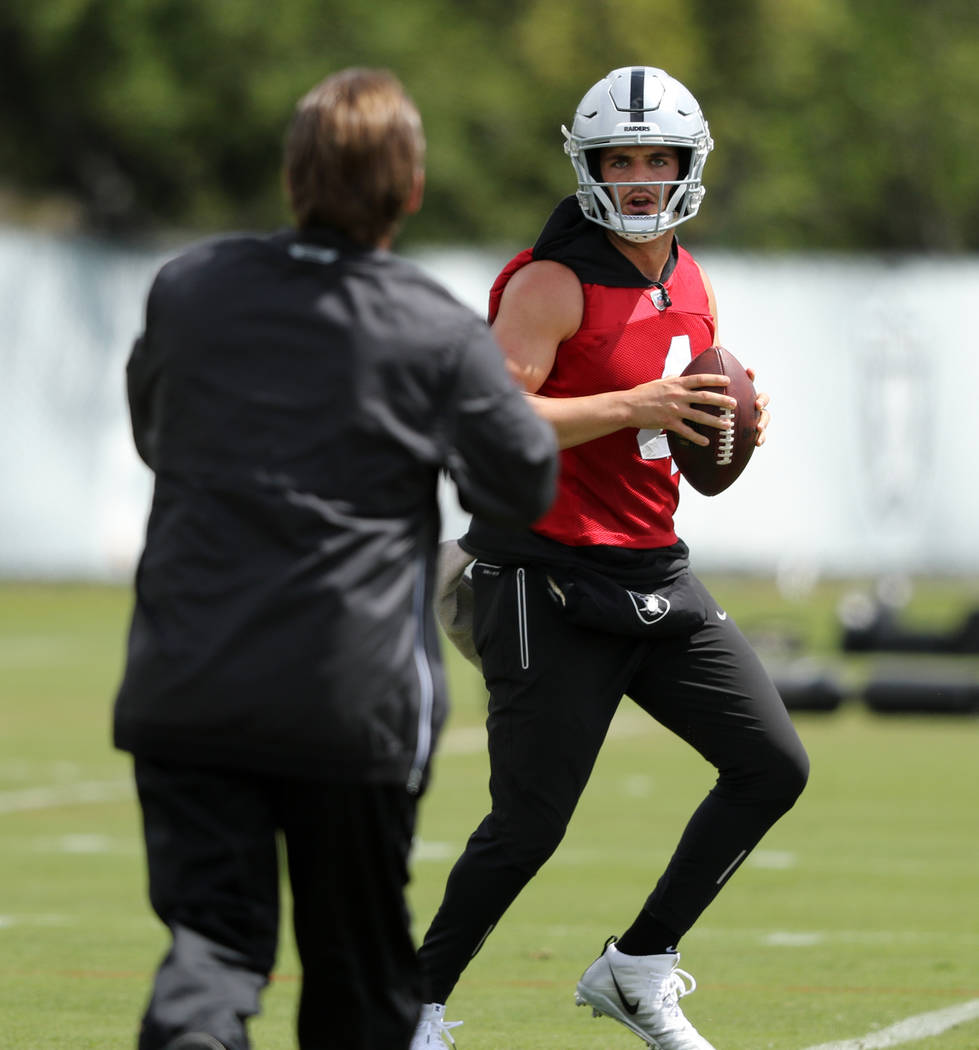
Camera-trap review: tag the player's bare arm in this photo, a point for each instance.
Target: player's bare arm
(530, 336)
(542, 305)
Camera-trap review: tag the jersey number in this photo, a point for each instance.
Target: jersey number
(653, 443)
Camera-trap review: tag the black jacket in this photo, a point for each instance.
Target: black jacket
(297, 399)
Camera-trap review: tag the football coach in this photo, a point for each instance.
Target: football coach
(297, 396)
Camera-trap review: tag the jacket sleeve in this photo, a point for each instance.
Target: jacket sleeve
(502, 457)
(142, 388)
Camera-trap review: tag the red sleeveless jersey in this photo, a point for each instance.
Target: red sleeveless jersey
(621, 490)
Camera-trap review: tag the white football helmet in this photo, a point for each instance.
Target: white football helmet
(637, 106)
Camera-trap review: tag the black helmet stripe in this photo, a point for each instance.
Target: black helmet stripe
(637, 96)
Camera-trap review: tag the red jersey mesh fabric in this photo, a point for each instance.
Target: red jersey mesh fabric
(608, 493)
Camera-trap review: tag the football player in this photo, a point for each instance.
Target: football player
(596, 321)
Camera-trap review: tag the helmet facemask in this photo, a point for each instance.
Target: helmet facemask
(638, 106)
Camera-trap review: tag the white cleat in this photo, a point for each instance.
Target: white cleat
(641, 992)
(432, 1032)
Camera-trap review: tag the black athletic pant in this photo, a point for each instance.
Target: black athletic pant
(554, 688)
(211, 846)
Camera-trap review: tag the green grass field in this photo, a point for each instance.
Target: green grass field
(860, 909)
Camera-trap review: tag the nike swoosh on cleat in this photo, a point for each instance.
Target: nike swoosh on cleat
(630, 1008)
(721, 615)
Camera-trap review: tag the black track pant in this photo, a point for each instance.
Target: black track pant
(554, 688)
(211, 846)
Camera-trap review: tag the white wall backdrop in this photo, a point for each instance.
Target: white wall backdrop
(869, 468)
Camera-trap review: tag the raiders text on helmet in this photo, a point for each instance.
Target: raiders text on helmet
(638, 106)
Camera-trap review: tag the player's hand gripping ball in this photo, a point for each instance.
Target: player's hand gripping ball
(712, 468)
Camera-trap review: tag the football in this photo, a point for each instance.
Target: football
(712, 468)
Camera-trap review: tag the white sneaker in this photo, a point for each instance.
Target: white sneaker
(642, 991)
(433, 1029)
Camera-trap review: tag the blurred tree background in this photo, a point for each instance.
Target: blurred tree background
(839, 124)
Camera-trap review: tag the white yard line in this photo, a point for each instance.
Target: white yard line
(68, 794)
(918, 1027)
